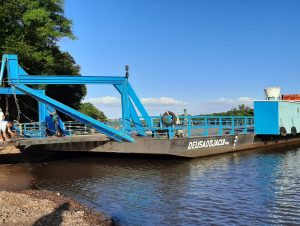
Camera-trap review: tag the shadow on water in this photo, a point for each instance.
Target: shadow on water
(55, 218)
(14, 158)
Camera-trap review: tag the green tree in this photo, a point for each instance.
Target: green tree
(32, 29)
(90, 110)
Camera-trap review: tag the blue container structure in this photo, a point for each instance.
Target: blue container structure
(273, 117)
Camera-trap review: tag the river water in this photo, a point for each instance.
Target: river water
(246, 188)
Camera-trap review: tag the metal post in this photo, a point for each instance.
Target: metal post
(232, 125)
(171, 132)
(206, 127)
(220, 126)
(189, 125)
(42, 115)
(125, 108)
(246, 125)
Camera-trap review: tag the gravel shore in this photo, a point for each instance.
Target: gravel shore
(35, 208)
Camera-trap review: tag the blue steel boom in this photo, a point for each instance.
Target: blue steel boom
(18, 78)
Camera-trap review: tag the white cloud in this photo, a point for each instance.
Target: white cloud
(163, 101)
(156, 105)
(219, 105)
(111, 105)
(152, 101)
(106, 100)
(248, 101)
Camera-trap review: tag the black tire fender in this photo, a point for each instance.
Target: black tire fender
(283, 131)
(165, 118)
(294, 131)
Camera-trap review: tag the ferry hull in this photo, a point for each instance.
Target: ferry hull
(182, 147)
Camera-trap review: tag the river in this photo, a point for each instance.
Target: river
(247, 188)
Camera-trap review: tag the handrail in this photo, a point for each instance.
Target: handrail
(188, 126)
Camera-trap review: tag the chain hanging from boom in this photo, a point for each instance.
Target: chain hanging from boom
(18, 107)
(6, 108)
(17, 104)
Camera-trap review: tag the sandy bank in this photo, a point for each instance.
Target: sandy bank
(45, 208)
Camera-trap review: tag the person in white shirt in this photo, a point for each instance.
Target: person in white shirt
(8, 132)
(3, 124)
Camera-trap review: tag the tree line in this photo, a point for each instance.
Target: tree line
(32, 29)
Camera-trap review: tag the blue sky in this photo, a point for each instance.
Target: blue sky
(202, 55)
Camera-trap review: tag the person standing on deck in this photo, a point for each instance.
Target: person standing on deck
(2, 125)
(55, 120)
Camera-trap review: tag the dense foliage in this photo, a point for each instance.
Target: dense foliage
(32, 29)
(92, 111)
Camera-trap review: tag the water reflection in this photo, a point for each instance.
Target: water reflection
(251, 188)
(15, 177)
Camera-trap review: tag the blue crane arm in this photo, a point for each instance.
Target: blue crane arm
(99, 126)
(18, 77)
(64, 79)
(8, 91)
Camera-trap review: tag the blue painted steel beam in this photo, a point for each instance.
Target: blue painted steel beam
(139, 105)
(8, 91)
(133, 114)
(137, 122)
(17, 75)
(76, 80)
(101, 127)
(3, 64)
(12, 67)
(125, 107)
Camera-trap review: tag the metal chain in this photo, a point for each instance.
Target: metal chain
(6, 108)
(17, 104)
(25, 116)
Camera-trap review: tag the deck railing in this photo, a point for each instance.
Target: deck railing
(190, 126)
(186, 126)
(78, 128)
(31, 129)
(74, 127)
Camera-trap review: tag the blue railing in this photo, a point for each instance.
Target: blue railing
(189, 126)
(186, 126)
(31, 130)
